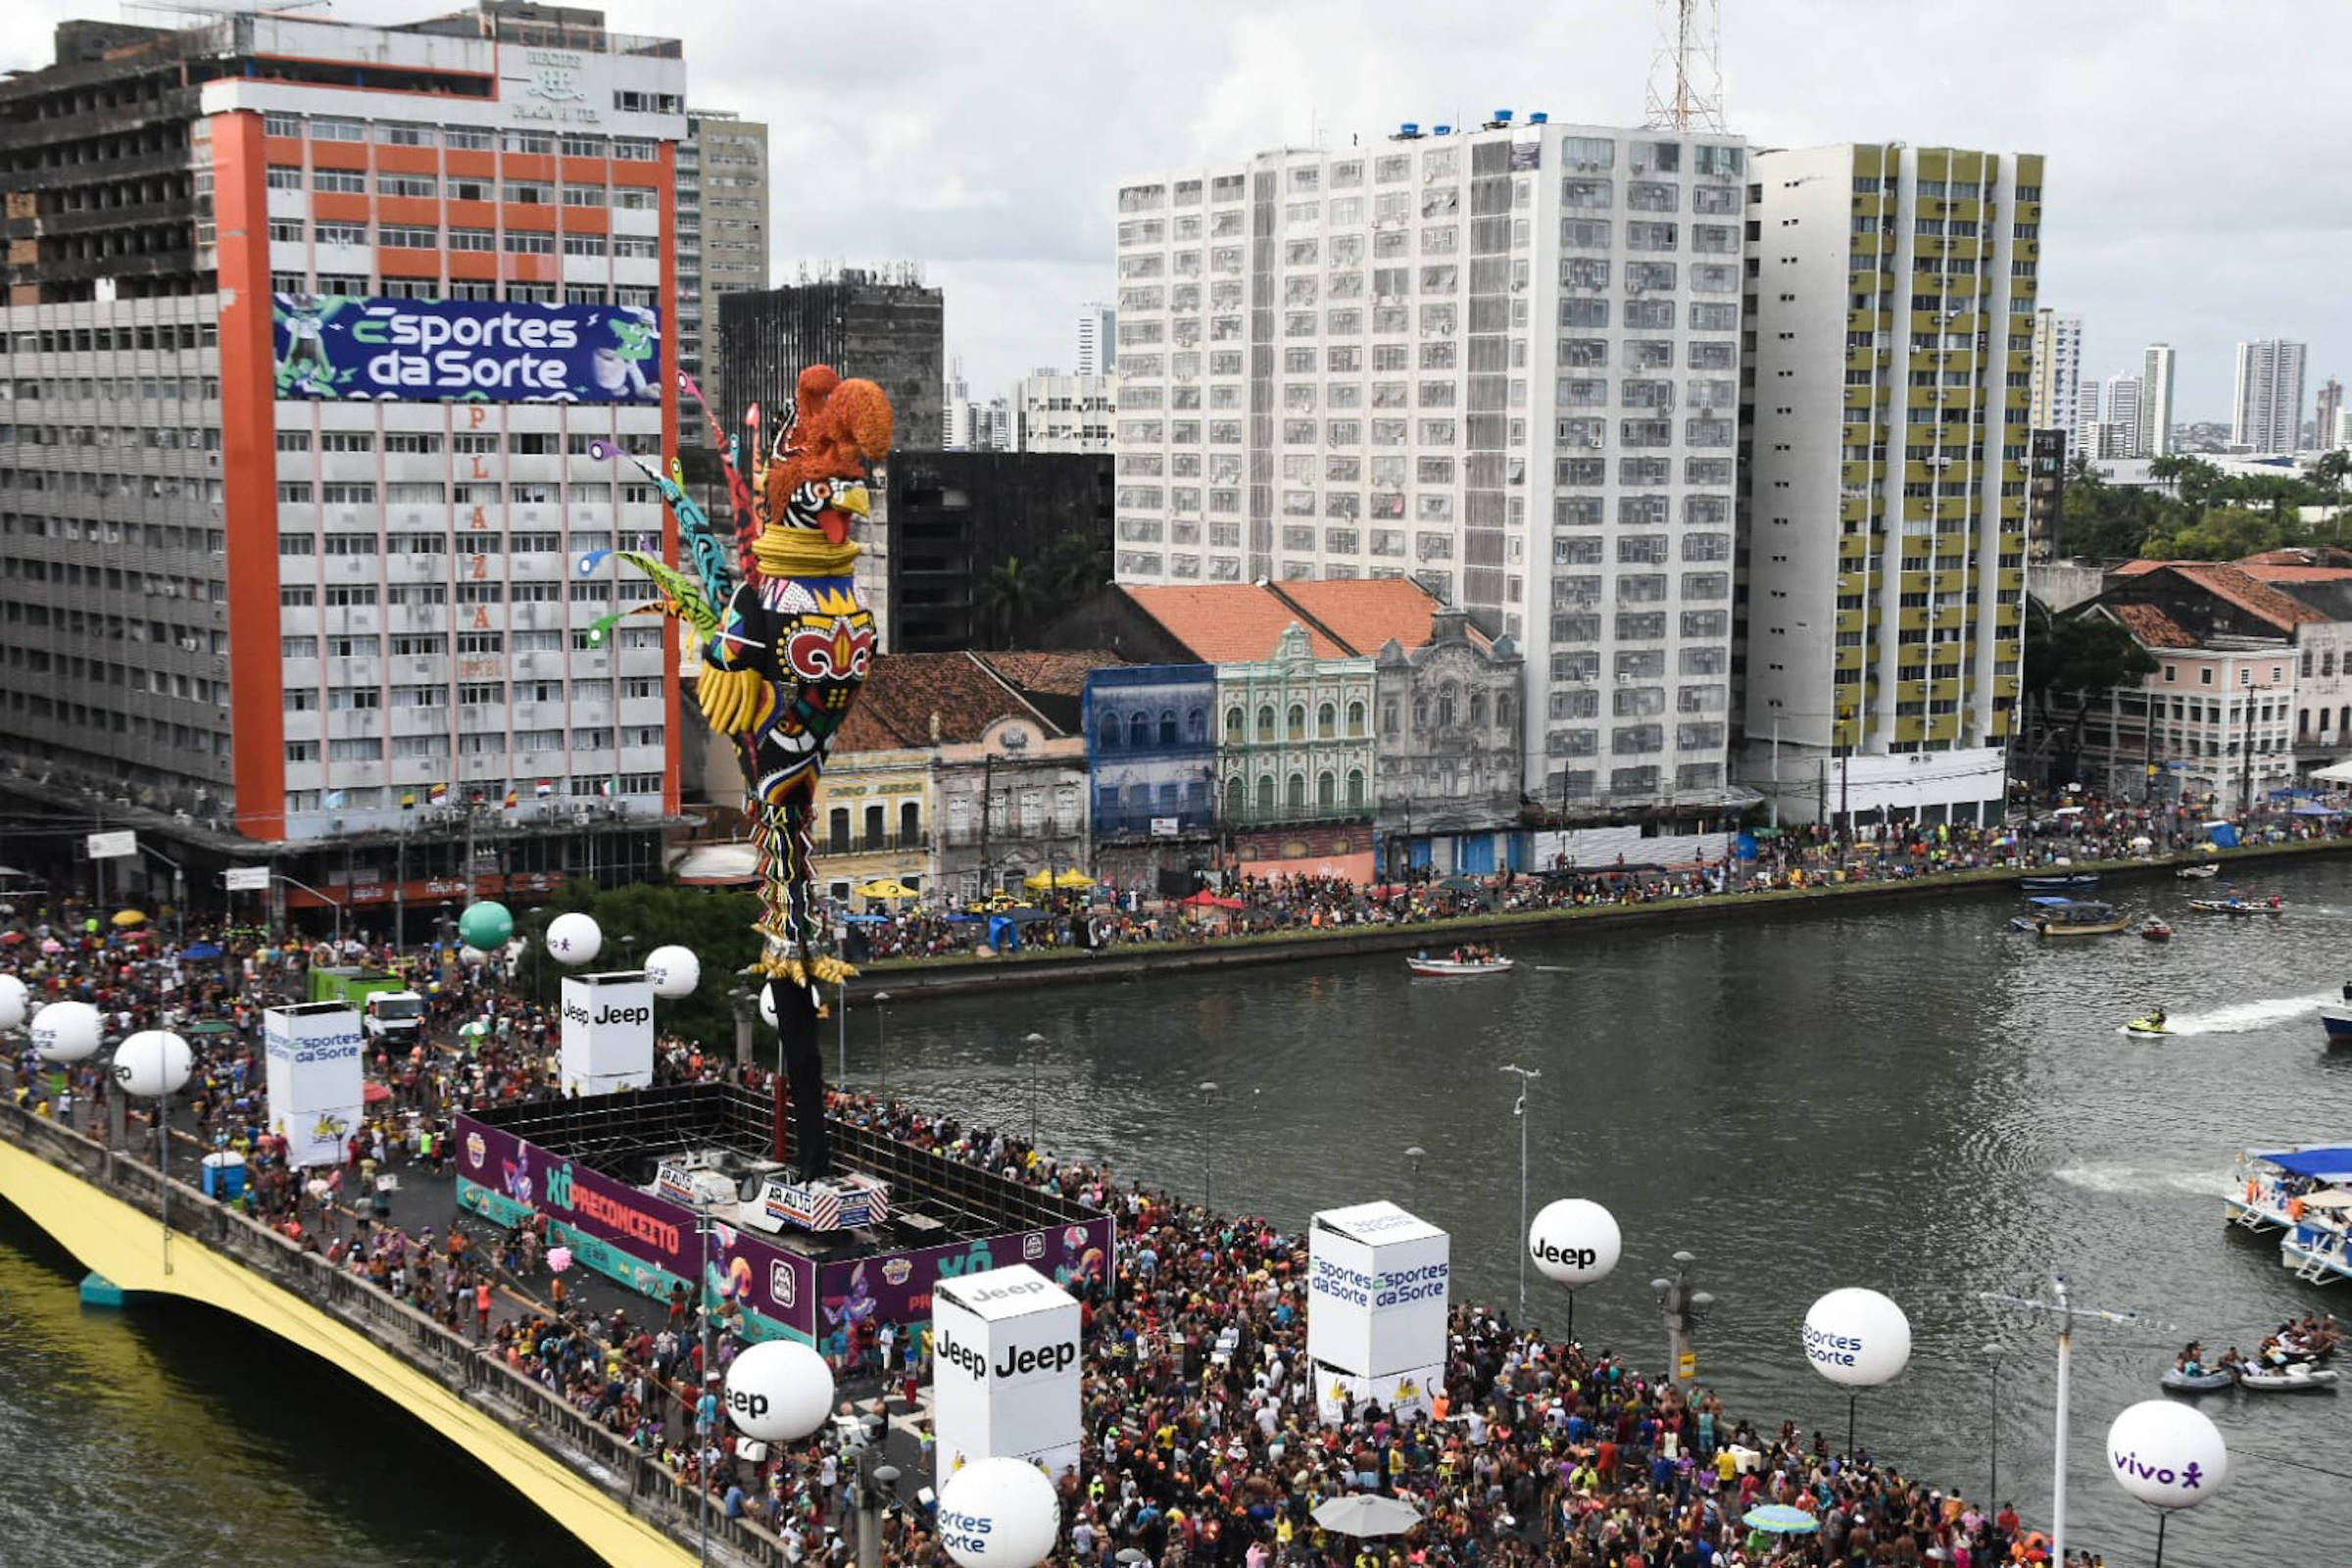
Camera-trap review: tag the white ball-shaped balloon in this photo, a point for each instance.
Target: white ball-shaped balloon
(1857, 1338)
(674, 971)
(779, 1390)
(67, 1031)
(13, 998)
(998, 1513)
(2167, 1454)
(153, 1062)
(573, 940)
(767, 1008)
(473, 957)
(1575, 1240)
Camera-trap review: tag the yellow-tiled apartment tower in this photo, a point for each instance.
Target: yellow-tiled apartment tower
(1890, 327)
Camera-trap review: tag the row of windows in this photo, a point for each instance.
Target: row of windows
(376, 798)
(395, 133)
(361, 285)
(1442, 162)
(463, 493)
(164, 337)
(436, 644)
(473, 743)
(487, 591)
(461, 189)
(470, 694)
(1634, 740)
(474, 443)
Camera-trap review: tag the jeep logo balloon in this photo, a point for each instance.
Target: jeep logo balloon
(998, 1513)
(778, 1390)
(1575, 1241)
(1857, 1338)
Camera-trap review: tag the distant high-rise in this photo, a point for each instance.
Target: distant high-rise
(1056, 412)
(1097, 339)
(2084, 435)
(723, 232)
(2124, 411)
(2269, 415)
(2325, 433)
(2156, 400)
(2057, 372)
(885, 329)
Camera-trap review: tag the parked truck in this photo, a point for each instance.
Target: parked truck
(390, 1014)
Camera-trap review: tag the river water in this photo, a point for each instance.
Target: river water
(1909, 1098)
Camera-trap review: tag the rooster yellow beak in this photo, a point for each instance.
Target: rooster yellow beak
(852, 499)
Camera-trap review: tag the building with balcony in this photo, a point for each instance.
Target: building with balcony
(312, 329)
(2056, 370)
(1503, 360)
(1884, 504)
(2209, 726)
(1446, 758)
(1151, 764)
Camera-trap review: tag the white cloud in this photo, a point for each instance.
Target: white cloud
(2195, 190)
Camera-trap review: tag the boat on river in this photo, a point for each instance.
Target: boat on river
(2066, 883)
(1421, 963)
(2302, 1377)
(2275, 1190)
(2155, 930)
(2150, 1027)
(2180, 1382)
(2054, 916)
(2204, 872)
(2337, 1019)
(2238, 908)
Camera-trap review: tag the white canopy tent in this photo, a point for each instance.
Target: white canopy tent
(2334, 773)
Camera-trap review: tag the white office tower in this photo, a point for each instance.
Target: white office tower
(1502, 360)
(2156, 400)
(2057, 374)
(2270, 396)
(2126, 413)
(1098, 337)
(1884, 505)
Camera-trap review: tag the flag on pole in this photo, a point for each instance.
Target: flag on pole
(612, 787)
(408, 800)
(438, 796)
(544, 788)
(514, 798)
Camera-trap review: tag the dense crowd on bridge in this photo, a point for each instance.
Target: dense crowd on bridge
(1204, 1443)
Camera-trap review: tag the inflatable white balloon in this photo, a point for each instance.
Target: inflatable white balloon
(2167, 1454)
(153, 1062)
(998, 1513)
(767, 1008)
(473, 957)
(13, 997)
(66, 1031)
(779, 1390)
(674, 971)
(1857, 1338)
(573, 940)
(1575, 1240)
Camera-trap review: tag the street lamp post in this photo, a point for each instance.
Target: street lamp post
(332, 903)
(1525, 1075)
(882, 1047)
(1037, 1045)
(1992, 1485)
(1208, 1091)
(1682, 1308)
(180, 893)
(2064, 1310)
(705, 1402)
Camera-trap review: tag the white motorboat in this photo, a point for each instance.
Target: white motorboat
(2198, 873)
(2299, 1378)
(1457, 968)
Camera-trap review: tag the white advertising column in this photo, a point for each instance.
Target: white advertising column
(1004, 1370)
(608, 1031)
(1377, 1282)
(311, 1079)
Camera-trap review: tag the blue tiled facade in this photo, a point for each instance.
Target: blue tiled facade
(1152, 750)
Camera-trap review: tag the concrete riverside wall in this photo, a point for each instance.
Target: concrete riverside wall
(105, 1209)
(905, 979)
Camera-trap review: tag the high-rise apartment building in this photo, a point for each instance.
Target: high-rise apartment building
(2268, 414)
(886, 327)
(2156, 400)
(1097, 339)
(723, 232)
(2057, 373)
(1883, 501)
(1504, 361)
(2084, 435)
(2327, 425)
(314, 332)
(1056, 412)
(2124, 413)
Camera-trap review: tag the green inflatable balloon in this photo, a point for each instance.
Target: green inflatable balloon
(486, 925)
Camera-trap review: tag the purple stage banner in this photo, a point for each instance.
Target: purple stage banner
(897, 1288)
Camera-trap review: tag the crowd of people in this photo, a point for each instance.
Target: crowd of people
(1238, 903)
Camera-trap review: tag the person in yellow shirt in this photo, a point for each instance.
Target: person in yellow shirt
(1727, 1468)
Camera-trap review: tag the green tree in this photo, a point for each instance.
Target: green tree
(2075, 660)
(2224, 533)
(1075, 565)
(1005, 603)
(713, 924)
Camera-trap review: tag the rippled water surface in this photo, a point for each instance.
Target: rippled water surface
(1910, 1098)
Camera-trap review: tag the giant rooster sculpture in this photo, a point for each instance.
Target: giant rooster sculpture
(784, 654)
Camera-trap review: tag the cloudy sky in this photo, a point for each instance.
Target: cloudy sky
(2197, 190)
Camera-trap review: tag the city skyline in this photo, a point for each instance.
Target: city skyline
(1008, 210)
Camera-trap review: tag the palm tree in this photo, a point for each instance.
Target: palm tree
(1076, 564)
(1005, 603)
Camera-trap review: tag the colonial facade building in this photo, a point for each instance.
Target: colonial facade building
(1445, 753)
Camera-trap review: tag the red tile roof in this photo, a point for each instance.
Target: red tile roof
(2327, 556)
(1228, 623)
(2254, 597)
(1058, 675)
(2265, 571)
(2138, 568)
(2152, 627)
(904, 691)
(1366, 614)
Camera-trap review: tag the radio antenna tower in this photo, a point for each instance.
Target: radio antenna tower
(1685, 74)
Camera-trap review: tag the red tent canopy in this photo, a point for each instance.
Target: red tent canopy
(1205, 900)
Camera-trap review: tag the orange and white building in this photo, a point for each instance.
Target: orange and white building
(318, 340)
